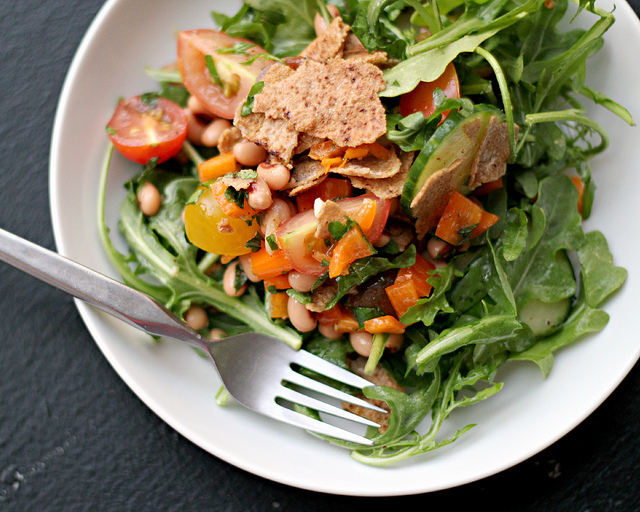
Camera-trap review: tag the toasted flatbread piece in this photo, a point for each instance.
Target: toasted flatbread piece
(329, 44)
(305, 174)
(336, 101)
(389, 187)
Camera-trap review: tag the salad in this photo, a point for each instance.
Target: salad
(397, 187)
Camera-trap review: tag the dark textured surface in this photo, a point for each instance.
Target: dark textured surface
(74, 437)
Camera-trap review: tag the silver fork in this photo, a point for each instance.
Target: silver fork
(253, 367)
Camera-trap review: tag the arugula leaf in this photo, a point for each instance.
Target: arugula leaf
(542, 270)
(247, 106)
(426, 309)
(490, 329)
(295, 29)
(160, 249)
(430, 57)
(515, 236)
(600, 278)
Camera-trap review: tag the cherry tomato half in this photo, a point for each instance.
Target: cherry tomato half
(146, 127)
(421, 98)
(296, 235)
(210, 229)
(220, 95)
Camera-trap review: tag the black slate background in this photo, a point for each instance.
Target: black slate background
(74, 437)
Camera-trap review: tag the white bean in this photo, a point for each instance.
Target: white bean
(211, 134)
(329, 331)
(196, 317)
(259, 196)
(229, 281)
(217, 334)
(436, 248)
(245, 262)
(149, 200)
(276, 175)
(301, 318)
(394, 343)
(249, 154)
(383, 240)
(301, 282)
(197, 108)
(195, 127)
(361, 342)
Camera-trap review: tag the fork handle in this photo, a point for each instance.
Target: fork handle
(117, 299)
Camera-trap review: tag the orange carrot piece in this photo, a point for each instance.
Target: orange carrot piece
(351, 247)
(230, 208)
(577, 181)
(403, 295)
(460, 214)
(326, 149)
(485, 188)
(378, 151)
(419, 273)
(278, 305)
(359, 152)
(329, 162)
(486, 221)
(217, 166)
(384, 324)
(269, 266)
(340, 318)
(279, 282)
(365, 215)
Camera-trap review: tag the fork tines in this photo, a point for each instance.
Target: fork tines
(303, 383)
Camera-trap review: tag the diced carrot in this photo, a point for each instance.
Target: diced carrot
(340, 318)
(329, 162)
(217, 166)
(351, 247)
(330, 188)
(329, 149)
(230, 208)
(460, 213)
(378, 151)
(384, 324)
(279, 282)
(269, 266)
(278, 305)
(326, 149)
(419, 273)
(486, 221)
(359, 152)
(485, 188)
(365, 215)
(577, 181)
(403, 295)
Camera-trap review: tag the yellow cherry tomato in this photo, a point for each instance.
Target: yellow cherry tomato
(210, 229)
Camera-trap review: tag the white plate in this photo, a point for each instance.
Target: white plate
(529, 413)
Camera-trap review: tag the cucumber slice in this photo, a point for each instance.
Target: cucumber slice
(458, 138)
(544, 317)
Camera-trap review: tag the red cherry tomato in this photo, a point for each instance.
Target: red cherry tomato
(421, 98)
(330, 188)
(146, 127)
(296, 235)
(220, 95)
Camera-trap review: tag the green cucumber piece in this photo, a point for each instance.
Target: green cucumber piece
(544, 317)
(459, 136)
